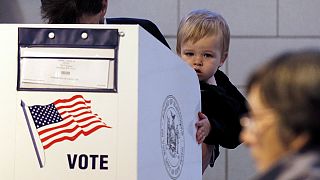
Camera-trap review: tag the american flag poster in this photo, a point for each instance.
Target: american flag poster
(65, 120)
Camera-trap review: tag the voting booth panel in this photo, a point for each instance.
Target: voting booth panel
(95, 102)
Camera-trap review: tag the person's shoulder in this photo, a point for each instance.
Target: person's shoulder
(220, 76)
(126, 20)
(144, 23)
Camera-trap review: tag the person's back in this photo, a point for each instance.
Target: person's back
(203, 42)
(144, 23)
(90, 12)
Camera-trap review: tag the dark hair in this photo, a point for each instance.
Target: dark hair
(290, 85)
(68, 11)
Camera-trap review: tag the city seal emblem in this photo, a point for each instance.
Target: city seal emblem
(172, 137)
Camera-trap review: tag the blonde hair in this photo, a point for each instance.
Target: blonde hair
(201, 23)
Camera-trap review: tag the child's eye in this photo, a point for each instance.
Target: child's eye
(207, 55)
(188, 53)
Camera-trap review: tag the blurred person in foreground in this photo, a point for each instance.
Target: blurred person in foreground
(282, 129)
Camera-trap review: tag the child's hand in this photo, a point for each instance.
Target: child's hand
(203, 128)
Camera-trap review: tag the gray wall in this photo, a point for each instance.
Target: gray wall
(259, 29)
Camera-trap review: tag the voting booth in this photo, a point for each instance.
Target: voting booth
(95, 102)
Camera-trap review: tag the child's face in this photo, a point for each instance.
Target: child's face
(205, 56)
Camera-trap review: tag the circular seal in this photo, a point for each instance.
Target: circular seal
(172, 137)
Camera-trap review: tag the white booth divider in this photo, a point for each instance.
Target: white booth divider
(79, 104)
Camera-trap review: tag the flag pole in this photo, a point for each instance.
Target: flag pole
(23, 105)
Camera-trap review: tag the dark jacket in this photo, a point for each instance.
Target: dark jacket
(224, 105)
(144, 23)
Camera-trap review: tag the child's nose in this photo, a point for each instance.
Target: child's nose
(197, 61)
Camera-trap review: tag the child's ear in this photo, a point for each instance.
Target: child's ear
(103, 12)
(224, 57)
(104, 8)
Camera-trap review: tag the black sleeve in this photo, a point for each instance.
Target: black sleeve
(146, 24)
(224, 108)
(224, 82)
